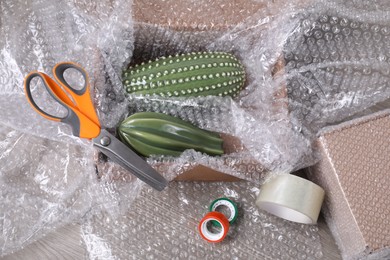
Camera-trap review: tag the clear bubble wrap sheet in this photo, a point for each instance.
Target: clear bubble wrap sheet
(337, 62)
(165, 224)
(308, 64)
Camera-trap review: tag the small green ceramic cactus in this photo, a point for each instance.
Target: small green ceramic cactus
(151, 133)
(193, 74)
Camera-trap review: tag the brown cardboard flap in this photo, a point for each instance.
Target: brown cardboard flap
(195, 15)
(203, 173)
(354, 171)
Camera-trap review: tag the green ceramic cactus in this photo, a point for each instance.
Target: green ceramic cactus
(151, 133)
(193, 74)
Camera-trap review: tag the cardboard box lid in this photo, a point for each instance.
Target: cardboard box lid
(355, 172)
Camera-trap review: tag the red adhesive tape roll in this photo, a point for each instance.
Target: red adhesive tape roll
(209, 235)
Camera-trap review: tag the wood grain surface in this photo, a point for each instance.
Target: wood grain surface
(66, 243)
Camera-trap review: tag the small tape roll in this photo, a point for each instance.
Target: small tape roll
(225, 202)
(209, 235)
(292, 198)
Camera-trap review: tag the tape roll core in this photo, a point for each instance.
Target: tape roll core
(292, 198)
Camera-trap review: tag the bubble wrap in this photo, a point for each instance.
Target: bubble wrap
(51, 176)
(163, 225)
(45, 184)
(47, 177)
(258, 112)
(37, 194)
(37, 35)
(337, 61)
(212, 113)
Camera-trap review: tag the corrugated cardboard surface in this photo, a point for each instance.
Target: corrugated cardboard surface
(169, 27)
(195, 15)
(355, 173)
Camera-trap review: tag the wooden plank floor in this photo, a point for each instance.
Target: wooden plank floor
(66, 243)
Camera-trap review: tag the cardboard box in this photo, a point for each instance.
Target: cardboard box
(169, 27)
(355, 173)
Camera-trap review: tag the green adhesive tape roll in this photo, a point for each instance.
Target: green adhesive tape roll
(224, 202)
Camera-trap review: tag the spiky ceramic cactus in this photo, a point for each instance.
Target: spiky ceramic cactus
(193, 74)
(152, 133)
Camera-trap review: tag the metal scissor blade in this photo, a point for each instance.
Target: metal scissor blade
(124, 156)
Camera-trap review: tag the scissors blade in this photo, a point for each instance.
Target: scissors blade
(124, 156)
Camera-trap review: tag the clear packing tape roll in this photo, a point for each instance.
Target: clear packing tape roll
(291, 197)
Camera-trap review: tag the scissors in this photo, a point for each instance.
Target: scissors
(81, 116)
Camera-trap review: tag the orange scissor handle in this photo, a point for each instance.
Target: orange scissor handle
(80, 113)
(81, 97)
